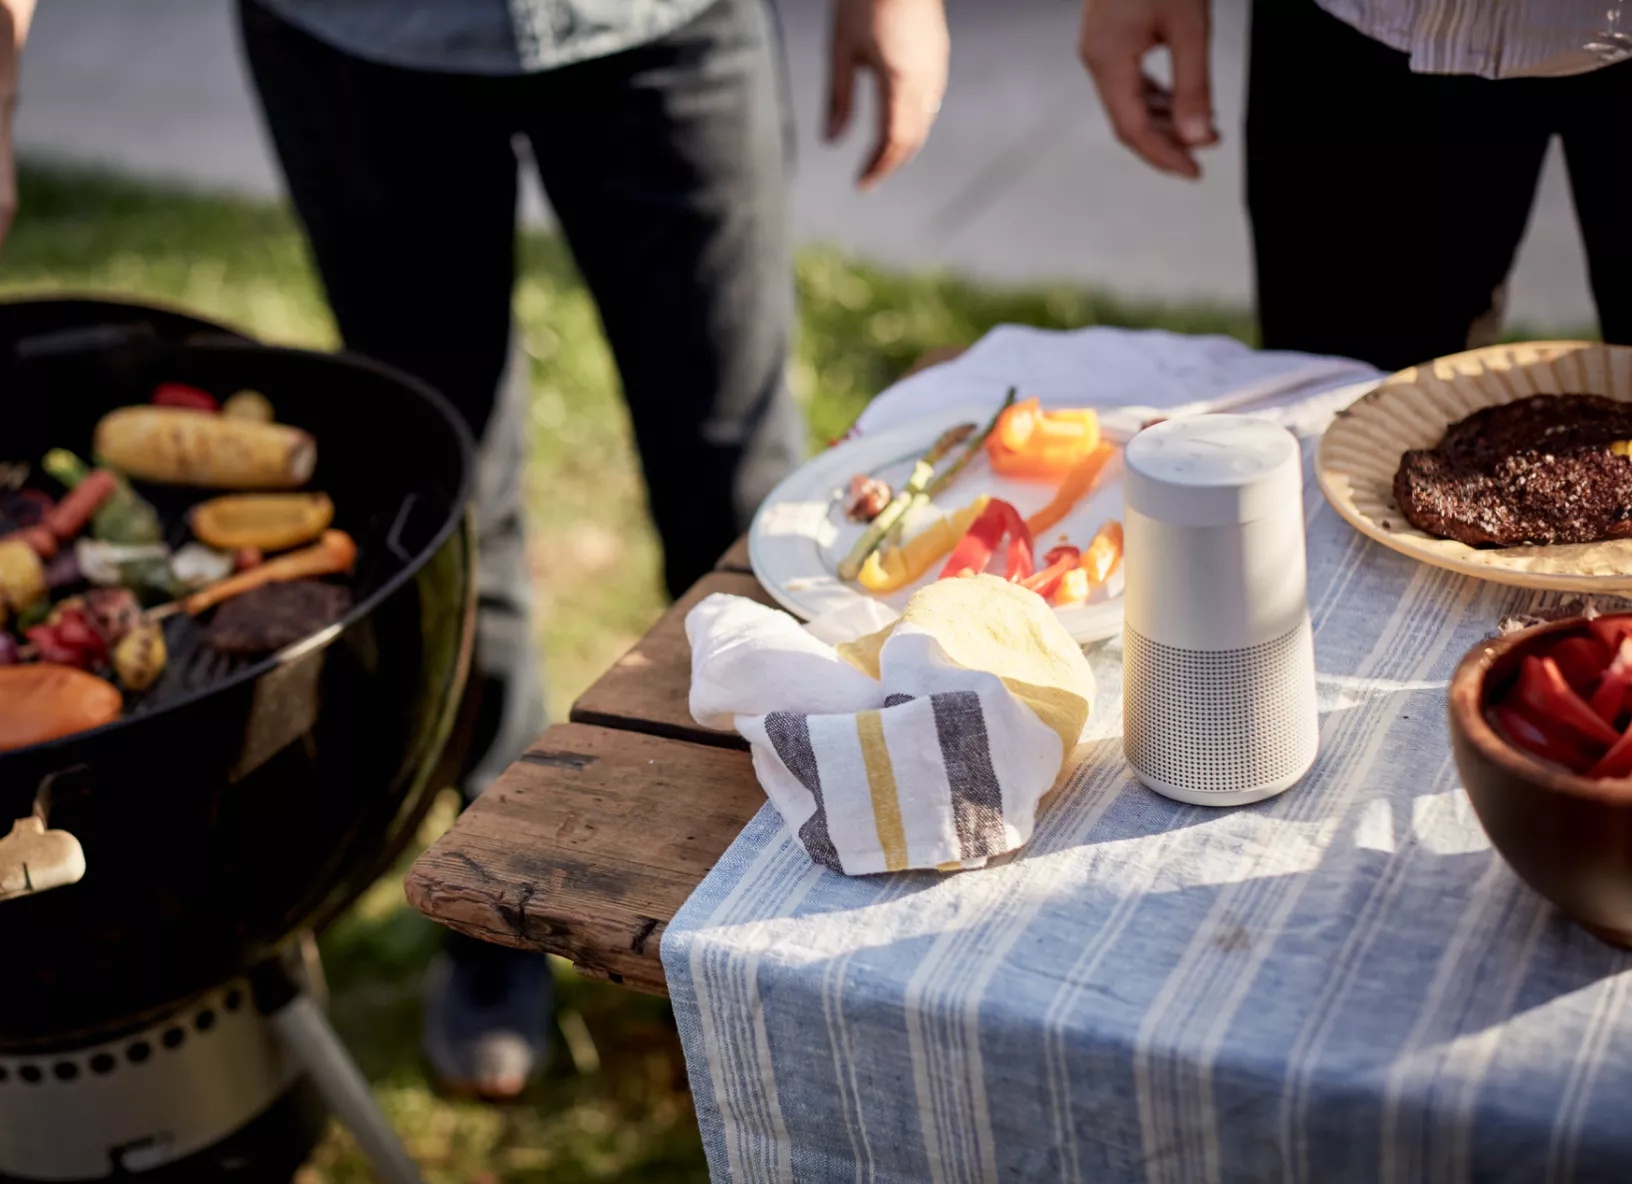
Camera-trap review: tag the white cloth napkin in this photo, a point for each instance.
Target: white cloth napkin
(927, 745)
(1146, 371)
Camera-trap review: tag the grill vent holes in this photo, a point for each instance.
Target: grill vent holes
(1221, 721)
(135, 1052)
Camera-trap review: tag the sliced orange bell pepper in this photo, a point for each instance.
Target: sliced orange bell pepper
(1033, 444)
(1103, 553)
(1074, 587)
(1079, 479)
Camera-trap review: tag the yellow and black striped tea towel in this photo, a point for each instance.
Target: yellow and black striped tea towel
(925, 745)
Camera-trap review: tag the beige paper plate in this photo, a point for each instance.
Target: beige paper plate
(1360, 453)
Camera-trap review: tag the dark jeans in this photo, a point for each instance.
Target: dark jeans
(665, 166)
(1387, 206)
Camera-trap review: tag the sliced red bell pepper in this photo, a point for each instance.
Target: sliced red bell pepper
(1542, 691)
(1610, 630)
(999, 520)
(1617, 762)
(1519, 730)
(1582, 661)
(1047, 581)
(179, 394)
(1609, 698)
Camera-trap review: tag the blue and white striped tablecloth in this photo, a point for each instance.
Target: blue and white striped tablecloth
(1344, 983)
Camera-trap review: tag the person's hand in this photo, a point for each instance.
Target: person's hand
(1165, 127)
(904, 44)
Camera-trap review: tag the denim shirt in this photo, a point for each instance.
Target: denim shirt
(485, 36)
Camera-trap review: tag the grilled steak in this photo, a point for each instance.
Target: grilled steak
(1539, 470)
(275, 615)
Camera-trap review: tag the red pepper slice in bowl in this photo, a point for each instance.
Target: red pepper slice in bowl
(1582, 660)
(1611, 630)
(1523, 732)
(1609, 698)
(1544, 694)
(1617, 762)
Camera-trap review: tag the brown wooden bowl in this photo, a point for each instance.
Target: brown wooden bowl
(1568, 837)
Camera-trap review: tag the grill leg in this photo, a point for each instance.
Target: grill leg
(308, 1037)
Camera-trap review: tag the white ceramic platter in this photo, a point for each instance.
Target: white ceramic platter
(800, 534)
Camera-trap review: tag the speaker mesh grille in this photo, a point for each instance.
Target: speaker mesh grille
(1220, 721)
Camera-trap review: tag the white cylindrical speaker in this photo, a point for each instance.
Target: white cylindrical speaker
(1218, 662)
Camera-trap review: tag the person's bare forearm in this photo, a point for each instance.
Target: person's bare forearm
(15, 18)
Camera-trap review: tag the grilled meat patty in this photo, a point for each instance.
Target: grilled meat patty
(275, 615)
(1539, 470)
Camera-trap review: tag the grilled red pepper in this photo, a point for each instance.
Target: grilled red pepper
(179, 394)
(999, 520)
(1046, 582)
(1542, 692)
(50, 647)
(1523, 732)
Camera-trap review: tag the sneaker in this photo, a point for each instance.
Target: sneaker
(487, 1015)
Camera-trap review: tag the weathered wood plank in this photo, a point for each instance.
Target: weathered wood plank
(647, 689)
(587, 846)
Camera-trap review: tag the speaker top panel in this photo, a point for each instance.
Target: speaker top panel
(1214, 470)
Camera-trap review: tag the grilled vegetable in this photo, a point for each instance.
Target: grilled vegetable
(196, 566)
(150, 579)
(1074, 587)
(331, 555)
(109, 564)
(1046, 583)
(891, 568)
(41, 701)
(1034, 444)
(998, 521)
(265, 521)
(189, 398)
(113, 611)
(1078, 481)
(38, 539)
(63, 571)
(922, 473)
(867, 499)
(176, 447)
(1104, 553)
(139, 657)
(125, 517)
(248, 405)
(22, 577)
(950, 474)
(69, 517)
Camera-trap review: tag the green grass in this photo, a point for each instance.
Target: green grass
(596, 571)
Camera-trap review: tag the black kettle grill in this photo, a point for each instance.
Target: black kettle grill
(239, 805)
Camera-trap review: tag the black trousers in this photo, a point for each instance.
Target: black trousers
(1387, 206)
(665, 166)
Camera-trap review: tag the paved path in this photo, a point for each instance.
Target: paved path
(1021, 180)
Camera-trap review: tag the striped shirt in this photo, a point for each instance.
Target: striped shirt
(1496, 38)
(485, 36)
